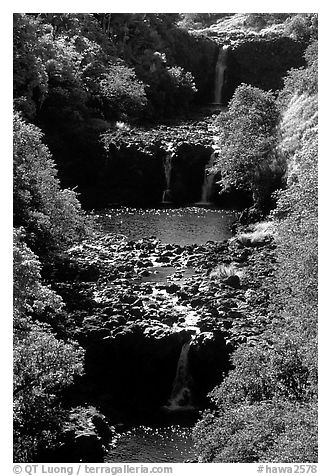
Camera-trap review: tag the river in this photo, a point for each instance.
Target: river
(168, 439)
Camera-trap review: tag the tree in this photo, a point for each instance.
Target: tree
(266, 407)
(51, 216)
(30, 77)
(121, 92)
(31, 297)
(43, 364)
(43, 367)
(247, 144)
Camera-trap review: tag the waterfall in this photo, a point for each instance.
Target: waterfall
(167, 165)
(221, 66)
(208, 182)
(181, 396)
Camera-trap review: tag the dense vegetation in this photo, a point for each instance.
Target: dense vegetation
(82, 81)
(266, 408)
(47, 219)
(247, 145)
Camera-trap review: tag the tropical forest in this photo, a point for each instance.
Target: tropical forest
(165, 237)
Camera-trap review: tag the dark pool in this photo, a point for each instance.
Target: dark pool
(189, 225)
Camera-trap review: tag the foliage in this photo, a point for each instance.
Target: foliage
(183, 83)
(247, 140)
(30, 77)
(223, 271)
(265, 409)
(296, 215)
(43, 367)
(147, 140)
(75, 74)
(121, 92)
(200, 20)
(30, 295)
(276, 431)
(302, 80)
(50, 215)
(303, 26)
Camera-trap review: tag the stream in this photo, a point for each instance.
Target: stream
(170, 439)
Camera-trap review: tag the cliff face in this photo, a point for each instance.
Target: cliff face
(132, 170)
(262, 63)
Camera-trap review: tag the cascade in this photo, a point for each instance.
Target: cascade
(181, 396)
(167, 165)
(221, 66)
(207, 182)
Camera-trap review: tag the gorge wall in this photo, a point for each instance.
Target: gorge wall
(262, 63)
(131, 170)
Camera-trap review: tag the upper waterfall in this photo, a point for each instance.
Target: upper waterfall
(221, 66)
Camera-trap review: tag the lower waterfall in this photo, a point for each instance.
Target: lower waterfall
(208, 181)
(167, 165)
(181, 394)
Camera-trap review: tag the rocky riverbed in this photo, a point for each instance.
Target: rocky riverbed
(133, 305)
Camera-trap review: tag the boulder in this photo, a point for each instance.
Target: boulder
(172, 288)
(232, 281)
(86, 436)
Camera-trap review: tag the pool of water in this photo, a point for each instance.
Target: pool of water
(183, 226)
(145, 444)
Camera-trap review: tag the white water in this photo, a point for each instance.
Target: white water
(181, 396)
(167, 165)
(208, 182)
(221, 66)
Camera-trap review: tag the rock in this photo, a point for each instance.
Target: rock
(128, 298)
(169, 320)
(197, 301)
(243, 256)
(147, 290)
(183, 295)
(86, 436)
(112, 324)
(124, 267)
(172, 288)
(233, 281)
(178, 250)
(164, 259)
(145, 273)
(141, 264)
(90, 273)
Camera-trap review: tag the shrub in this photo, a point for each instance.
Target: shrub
(223, 271)
(261, 233)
